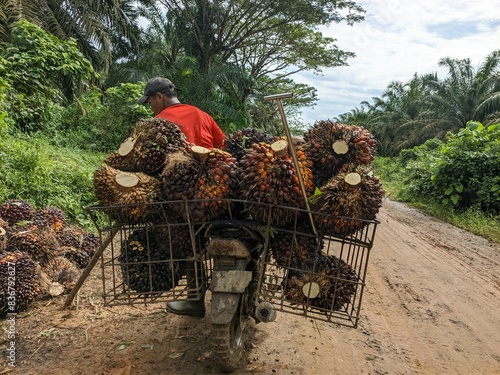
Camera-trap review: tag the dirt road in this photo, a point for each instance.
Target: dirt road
(431, 306)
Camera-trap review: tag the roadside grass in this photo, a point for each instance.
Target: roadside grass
(34, 170)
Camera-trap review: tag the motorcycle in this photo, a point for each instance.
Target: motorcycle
(235, 247)
(249, 273)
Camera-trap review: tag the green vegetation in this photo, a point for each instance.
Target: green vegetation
(34, 170)
(65, 103)
(408, 114)
(38, 73)
(457, 180)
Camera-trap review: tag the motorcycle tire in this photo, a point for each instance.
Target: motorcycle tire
(228, 342)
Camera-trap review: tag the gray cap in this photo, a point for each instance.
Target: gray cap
(154, 85)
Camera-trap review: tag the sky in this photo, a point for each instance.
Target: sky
(397, 39)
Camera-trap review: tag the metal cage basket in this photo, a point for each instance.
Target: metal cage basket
(320, 275)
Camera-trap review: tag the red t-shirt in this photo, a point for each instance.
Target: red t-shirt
(198, 126)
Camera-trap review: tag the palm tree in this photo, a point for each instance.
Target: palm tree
(399, 104)
(464, 95)
(101, 28)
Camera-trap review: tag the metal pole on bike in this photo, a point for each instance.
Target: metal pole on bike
(278, 98)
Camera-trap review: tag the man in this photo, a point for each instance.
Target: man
(198, 126)
(202, 130)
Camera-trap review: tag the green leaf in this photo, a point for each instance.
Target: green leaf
(314, 198)
(495, 188)
(459, 188)
(473, 125)
(454, 198)
(449, 190)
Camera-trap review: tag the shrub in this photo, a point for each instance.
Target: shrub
(39, 71)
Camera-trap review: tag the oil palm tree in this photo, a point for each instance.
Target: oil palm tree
(100, 27)
(464, 95)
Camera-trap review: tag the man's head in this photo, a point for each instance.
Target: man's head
(157, 85)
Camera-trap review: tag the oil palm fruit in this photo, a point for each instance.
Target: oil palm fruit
(39, 243)
(19, 278)
(146, 264)
(52, 217)
(77, 238)
(355, 193)
(71, 236)
(17, 227)
(239, 141)
(205, 175)
(90, 243)
(147, 147)
(77, 256)
(330, 145)
(16, 210)
(292, 249)
(323, 281)
(61, 270)
(114, 188)
(267, 175)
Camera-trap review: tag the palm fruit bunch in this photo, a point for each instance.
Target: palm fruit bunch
(291, 250)
(238, 142)
(52, 217)
(78, 238)
(39, 243)
(146, 263)
(268, 175)
(148, 145)
(209, 177)
(19, 282)
(3, 234)
(324, 281)
(70, 236)
(330, 145)
(90, 243)
(180, 176)
(115, 188)
(77, 256)
(347, 199)
(16, 210)
(61, 270)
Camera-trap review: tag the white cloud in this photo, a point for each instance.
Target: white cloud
(398, 39)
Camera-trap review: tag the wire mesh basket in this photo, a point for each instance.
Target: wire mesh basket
(148, 258)
(320, 275)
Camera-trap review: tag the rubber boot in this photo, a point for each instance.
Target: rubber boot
(195, 305)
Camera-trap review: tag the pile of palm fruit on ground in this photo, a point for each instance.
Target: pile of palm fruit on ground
(40, 253)
(156, 163)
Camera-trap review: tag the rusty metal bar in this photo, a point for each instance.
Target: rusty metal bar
(90, 266)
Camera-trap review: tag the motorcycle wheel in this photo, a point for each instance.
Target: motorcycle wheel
(227, 342)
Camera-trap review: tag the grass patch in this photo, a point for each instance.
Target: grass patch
(44, 175)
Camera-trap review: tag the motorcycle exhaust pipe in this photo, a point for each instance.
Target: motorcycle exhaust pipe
(265, 312)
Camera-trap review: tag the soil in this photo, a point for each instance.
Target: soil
(431, 306)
